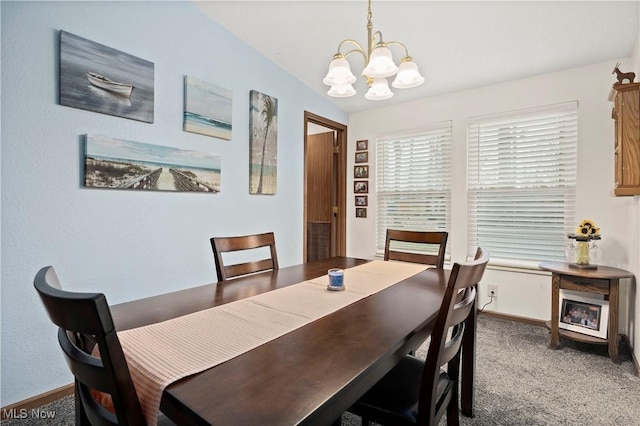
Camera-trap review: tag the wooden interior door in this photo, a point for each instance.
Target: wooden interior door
(325, 188)
(321, 186)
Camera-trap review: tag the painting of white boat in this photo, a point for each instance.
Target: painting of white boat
(98, 78)
(122, 89)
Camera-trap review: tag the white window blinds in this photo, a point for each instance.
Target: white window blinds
(522, 181)
(413, 182)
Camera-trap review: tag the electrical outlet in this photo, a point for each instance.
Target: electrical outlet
(492, 289)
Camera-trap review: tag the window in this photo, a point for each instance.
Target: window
(522, 183)
(413, 182)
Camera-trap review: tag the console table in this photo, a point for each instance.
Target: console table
(603, 280)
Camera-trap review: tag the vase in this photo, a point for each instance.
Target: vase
(583, 253)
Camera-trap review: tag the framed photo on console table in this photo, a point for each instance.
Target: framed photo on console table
(584, 314)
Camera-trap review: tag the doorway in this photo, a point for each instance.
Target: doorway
(325, 170)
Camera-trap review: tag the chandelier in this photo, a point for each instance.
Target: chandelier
(379, 66)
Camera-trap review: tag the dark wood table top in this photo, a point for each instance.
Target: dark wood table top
(308, 376)
(602, 272)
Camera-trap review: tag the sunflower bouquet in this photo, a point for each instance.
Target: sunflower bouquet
(587, 228)
(585, 232)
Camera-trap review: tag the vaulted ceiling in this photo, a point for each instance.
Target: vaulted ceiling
(457, 45)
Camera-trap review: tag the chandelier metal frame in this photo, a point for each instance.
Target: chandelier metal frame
(378, 66)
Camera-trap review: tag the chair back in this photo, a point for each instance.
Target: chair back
(84, 320)
(436, 240)
(222, 245)
(447, 334)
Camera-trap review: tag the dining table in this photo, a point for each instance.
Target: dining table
(314, 373)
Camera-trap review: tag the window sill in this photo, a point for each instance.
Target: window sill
(519, 266)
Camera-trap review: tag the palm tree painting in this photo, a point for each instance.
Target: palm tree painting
(263, 146)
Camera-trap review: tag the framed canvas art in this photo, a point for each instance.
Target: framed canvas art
(207, 109)
(362, 145)
(122, 164)
(98, 78)
(263, 143)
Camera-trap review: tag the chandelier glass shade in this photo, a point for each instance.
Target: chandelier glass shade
(379, 90)
(342, 91)
(379, 66)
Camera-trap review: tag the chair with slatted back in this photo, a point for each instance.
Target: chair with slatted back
(417, 392)
(436, 241)
(222, 245)
(84, 320)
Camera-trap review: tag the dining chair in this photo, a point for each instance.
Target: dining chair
(434, 240)
(104, 391)
(417, 392)
(222, 245)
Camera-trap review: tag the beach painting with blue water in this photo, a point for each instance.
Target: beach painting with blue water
(207, 109)
(123, 164)
(98, 78)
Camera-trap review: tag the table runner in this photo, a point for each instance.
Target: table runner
(162, 353)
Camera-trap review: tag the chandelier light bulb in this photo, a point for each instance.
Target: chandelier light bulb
(408, 75)
(339, 72)
(381, 63)
(341, 91)
(379, 90)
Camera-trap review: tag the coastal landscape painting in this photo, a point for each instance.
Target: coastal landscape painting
(263, 143)
(123, 164)
(98, 78)
(207, 109)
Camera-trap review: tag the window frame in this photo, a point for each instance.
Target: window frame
(401, 186)
(534, 155)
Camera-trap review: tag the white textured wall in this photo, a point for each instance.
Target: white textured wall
(127, 244)
(523, 293)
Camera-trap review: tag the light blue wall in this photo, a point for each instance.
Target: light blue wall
(126, 244)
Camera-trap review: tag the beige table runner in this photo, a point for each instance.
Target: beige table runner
(162, 353)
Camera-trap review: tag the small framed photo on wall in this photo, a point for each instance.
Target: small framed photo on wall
(361, 200)
(362, 145)
(361, 187)
(361, 212)
(362, 157)
(360, 172)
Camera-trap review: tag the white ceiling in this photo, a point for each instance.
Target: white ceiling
(457, 45)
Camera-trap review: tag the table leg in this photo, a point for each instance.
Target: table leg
(469, 362)
(613, 320)
(555, 319)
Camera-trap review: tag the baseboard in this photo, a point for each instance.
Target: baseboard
(636, 366)
(38, 400)
(515, 318)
